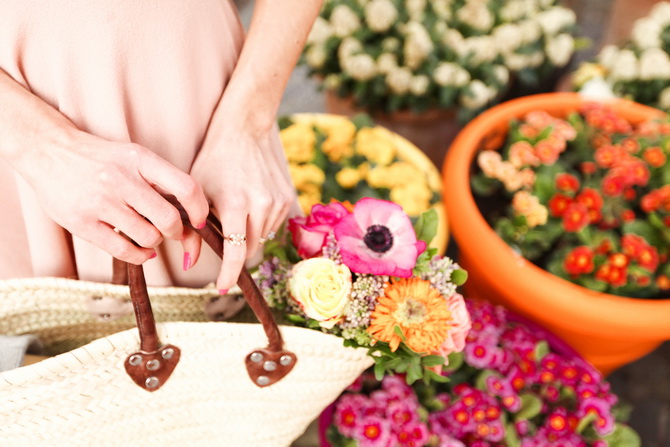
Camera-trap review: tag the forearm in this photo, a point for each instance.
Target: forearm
(276, 37)
(28, 124)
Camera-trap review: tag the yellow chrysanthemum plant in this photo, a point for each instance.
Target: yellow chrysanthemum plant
(365, 273)
(332, 157)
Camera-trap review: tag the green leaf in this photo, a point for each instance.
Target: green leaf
(455, 361)
(435, 377)
(586, 421)
(398, 331)
(480, 381)
(459, 277)
(362, 120)
(531, 405)
(414, 373)
(295, 318)
(379, 369)
(623, 436)
(284, 122)
(511, 438)
(432, 360)
(426, 226)
(541, 349)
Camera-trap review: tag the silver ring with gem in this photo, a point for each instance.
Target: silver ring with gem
(271, 235)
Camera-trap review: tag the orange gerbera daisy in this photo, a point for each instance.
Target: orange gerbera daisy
(417, 309)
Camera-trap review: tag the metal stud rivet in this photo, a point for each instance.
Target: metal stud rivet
(262, 380)
(152, 382)
(256, 357)
(286, 360)
(135, 359)
(270, 365)
(167, 353)
(153, 365)
(105, 316)
(97, 298)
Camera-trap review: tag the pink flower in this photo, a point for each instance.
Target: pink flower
(460, 326)
(309, 233)
(373, 431)
(378, 238)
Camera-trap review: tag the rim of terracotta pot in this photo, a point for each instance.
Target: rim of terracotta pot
(641, 319)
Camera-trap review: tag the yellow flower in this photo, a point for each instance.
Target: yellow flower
(402, 173)
(413, 197)
(307, 200)
(348, 177)
(340, 135)
(417, 309)
(379, 177)
(321, 287)
(376, 144)
(306, 174)
(299, 141)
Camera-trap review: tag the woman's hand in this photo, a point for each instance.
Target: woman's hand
(97, 189)
(243, 174)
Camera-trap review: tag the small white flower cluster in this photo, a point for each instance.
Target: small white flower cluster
(640, 69)
(457, 52)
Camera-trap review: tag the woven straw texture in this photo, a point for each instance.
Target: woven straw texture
(84, 397)
(57, 310)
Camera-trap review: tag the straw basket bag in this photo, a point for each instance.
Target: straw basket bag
(173, 384)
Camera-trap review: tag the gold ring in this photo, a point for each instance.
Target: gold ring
(236, 239)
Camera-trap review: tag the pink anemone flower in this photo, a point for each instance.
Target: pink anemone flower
(378, 238)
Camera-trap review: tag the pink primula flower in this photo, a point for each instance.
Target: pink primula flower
(378, 238)
(309, 233)
(460, 326)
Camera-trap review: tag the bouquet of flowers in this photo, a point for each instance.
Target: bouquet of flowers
(364, 273)
(416, 54)
(512, 386)
(586, 198)
(639, 69)
(334, 157)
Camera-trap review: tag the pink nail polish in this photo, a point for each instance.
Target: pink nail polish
(202, 225)
(187, 261)
(153, 255)
(223, 291)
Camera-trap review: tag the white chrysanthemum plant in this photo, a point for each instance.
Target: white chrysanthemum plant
(391, 55)
(638, 69)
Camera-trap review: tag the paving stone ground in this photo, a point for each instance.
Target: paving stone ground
(644, 384)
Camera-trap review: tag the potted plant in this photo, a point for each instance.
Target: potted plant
(513, 385)
(416, 65)
(637, 68)
(334, 157)
(577, 300)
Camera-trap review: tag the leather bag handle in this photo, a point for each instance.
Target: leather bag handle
(152, 365)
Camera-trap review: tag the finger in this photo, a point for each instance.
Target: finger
(192, 243)
(118, 245)
(170, 180)
(234, 254)
(162, 214)
(136, 227)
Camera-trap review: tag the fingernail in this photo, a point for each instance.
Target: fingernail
(202, 225)
(223, 291)
(154, 254)
(187, 261)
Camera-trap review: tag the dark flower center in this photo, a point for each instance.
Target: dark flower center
(378, 238)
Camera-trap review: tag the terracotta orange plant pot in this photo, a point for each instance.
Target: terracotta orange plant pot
(608, 330)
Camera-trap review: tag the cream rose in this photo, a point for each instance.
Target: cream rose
(321, 287)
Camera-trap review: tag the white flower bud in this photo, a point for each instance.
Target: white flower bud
(416, 9)
(476, 15)
(608, 55)
(387, 62)
(380, 15)
(530, 31)
(625, 67)
(501, 73)
(646, 33)
(360, 67)
(654, 64)
(512, 11)
(344, 21)
(419, 85)
(661, 13)
(453, 39)
(320, 32)
(417, 45)
(348, 47)
(481, 49)
(450, 74)
(442, 9)
(560, 49)
(479, 94)
(399, 80)
(664, 99)
(332, 81)
(507, 37)
(316, 56)
(390, 44)
(556, 19)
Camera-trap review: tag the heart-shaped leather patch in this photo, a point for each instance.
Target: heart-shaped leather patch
(150, 370)
(266, 367)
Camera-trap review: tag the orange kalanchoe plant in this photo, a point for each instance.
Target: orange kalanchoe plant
(588, 198)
